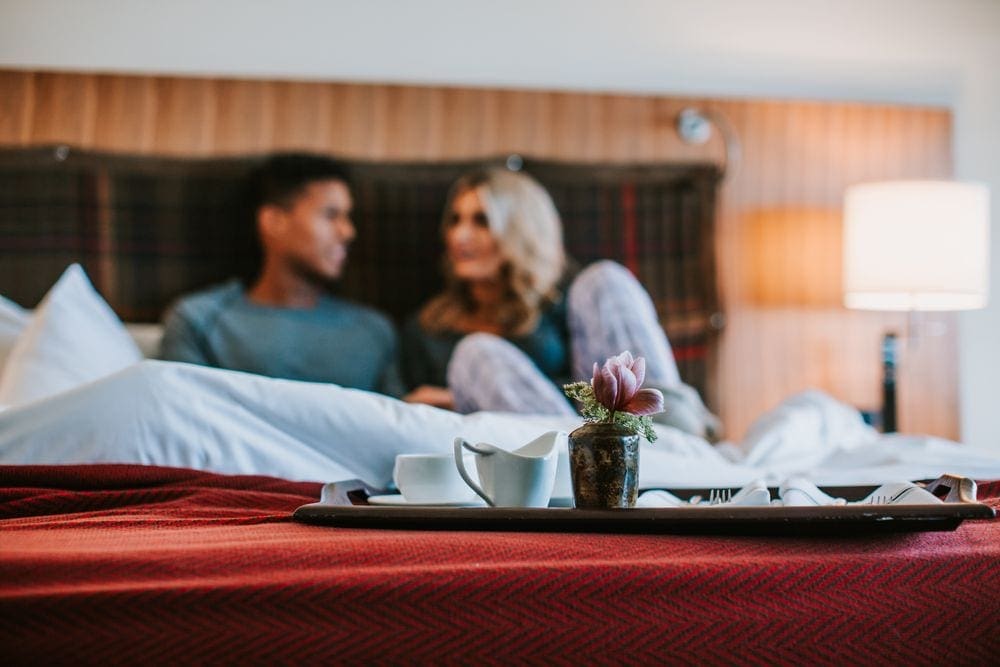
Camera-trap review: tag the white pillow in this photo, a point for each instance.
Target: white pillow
(73, 338)
(13, 319)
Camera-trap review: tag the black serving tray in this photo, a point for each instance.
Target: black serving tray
(345, 504)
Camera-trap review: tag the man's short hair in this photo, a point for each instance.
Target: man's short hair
(284, 176)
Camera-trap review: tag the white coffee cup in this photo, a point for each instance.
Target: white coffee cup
(431, 478)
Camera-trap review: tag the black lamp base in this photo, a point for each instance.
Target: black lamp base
(890, 352)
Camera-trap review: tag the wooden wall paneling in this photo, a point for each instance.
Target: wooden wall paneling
(519, 125)
(472, 123)
(598, 129)
(185, 116)
(416, 122)
(17, 101)
(729, 270)
(126, 113)
(566, 115)
(623, 117)
(796, 160)
(302, 116)
(857, 331)
(741, 393)
(244, 116)
(803, 124)
(660, 137)
(358, 122)
(64, 110)
(540, 141)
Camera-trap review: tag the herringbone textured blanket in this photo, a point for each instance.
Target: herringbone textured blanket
(129, 564)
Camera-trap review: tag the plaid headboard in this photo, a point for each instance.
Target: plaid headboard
(148, 229)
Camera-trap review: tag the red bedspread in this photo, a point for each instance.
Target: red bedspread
(130, 564)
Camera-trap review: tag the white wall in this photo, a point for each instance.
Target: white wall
(912, 51)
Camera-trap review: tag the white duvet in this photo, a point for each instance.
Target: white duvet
(171, 414)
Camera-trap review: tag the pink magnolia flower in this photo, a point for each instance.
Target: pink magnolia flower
(617, 386)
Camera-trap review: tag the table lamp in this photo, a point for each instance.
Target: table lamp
(914, 246)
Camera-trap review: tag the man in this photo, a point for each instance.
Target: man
(287, 324)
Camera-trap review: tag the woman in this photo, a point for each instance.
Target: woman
(516, 320)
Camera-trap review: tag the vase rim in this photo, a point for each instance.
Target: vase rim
(617, 429)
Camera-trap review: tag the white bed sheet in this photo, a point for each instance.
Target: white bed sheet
(172, 414)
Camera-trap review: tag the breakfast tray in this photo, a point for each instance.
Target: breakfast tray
(345, 504)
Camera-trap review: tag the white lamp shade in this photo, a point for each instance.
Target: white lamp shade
(916, 245)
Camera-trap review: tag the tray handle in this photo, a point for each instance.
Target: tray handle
(953, 489)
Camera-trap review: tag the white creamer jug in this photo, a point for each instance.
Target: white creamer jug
(520, 478)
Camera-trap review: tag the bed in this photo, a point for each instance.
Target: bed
(122, 543)
(138, 564)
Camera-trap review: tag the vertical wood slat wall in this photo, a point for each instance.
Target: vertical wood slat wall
(779, 214)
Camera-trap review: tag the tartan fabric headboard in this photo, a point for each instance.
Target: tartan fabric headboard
(148, 229)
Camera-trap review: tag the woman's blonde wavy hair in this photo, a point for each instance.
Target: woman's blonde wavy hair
(526, 226)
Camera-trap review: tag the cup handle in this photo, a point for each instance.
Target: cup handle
(460, 462)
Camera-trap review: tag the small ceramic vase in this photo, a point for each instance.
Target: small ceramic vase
(604, 466)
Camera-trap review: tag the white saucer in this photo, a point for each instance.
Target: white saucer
(399, 500)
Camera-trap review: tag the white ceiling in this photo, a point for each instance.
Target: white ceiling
(891, 50)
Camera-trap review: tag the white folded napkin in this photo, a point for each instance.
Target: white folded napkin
(800, 492)
(753, 494)
(660, 498)
(796, 492)
(900, 493)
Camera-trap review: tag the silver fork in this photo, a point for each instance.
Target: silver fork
(719, 496)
